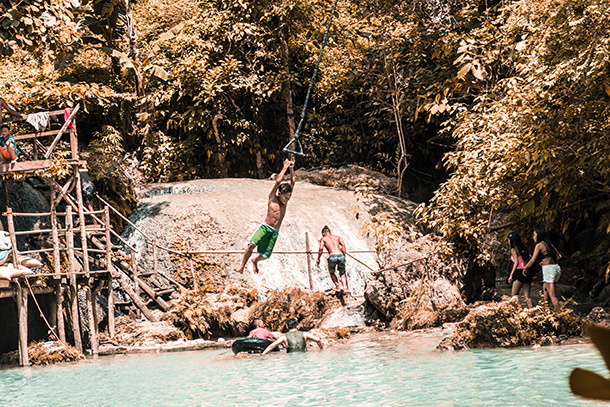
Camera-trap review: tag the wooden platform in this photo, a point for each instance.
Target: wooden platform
(25, 166)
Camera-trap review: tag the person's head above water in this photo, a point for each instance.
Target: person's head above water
(292, 323)
(257, 323)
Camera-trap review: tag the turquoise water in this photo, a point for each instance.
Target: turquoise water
(370, 370)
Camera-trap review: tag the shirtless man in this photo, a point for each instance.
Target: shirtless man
(336, 257)
(266, 235)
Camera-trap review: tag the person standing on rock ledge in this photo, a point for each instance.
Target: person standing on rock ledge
(336, 258)
(266, 235)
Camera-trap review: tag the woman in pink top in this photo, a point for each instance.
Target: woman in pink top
(519, 276)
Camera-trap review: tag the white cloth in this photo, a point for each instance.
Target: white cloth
(38, 120)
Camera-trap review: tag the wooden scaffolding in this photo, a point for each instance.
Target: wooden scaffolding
(82, 257)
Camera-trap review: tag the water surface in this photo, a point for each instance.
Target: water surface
(370, 370)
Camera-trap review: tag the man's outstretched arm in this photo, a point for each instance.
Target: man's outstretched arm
(280, 177)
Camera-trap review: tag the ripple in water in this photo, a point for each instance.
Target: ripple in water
(372, 370)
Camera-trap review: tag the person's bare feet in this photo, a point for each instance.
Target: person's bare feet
(255, 266)
(240, 269)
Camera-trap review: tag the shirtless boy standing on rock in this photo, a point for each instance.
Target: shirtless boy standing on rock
(266, 235)
(336, 257)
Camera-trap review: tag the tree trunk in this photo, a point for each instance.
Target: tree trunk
(132, 52)
(395, 84)
(221, 156)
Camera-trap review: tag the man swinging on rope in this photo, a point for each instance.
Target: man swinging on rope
(266, 235)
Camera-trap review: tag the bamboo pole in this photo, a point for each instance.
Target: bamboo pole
(81, 218)
(308, 260)
(22, 314)
(155, 258)
(111, 330)
(11, 231)
(55, 234)
(195, 283)
(95, 345)
(78, 343)
(134, 270)
(59, 300)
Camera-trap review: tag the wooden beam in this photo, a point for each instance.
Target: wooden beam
(111, 330)
(25, 166)
(55, 234)
(155, 297)
(78, 341)
(81, 218)
(95, 344)
(35, 135)
(59, 300)
(22, 311)
(11, 231)
(135, 298)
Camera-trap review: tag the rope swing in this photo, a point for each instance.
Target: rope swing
(298, 149)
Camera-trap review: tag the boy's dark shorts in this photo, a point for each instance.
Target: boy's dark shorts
(338, 261)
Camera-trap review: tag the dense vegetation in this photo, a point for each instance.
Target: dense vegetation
(513, 94)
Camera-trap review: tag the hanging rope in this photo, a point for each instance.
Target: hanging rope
(295, 140)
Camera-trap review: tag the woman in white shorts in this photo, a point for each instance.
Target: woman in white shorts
(547, 255)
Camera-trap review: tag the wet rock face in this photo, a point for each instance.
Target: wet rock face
(511, 323)
(349, 177)
(23, 197)
(598, 316)
(420, 289)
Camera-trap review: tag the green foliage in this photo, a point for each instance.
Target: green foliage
(535, 142)
(36, 25)
(107, 168)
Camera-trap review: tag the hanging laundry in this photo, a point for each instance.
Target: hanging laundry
(38, 120)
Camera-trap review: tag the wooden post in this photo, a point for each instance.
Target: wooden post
(11, 231)
(308, 260)
(81, 217)
(91, 308)
(5, 195)
(155, 258)
(195, 283)
(108, 239)
(22, 311)
(111, 330)
(55, 234)
(59, 300)
(78, 342)
(134, 270)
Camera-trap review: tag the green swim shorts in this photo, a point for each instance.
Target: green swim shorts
(264, 239)
(336, 260)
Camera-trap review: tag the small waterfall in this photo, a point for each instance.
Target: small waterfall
(238, 206)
